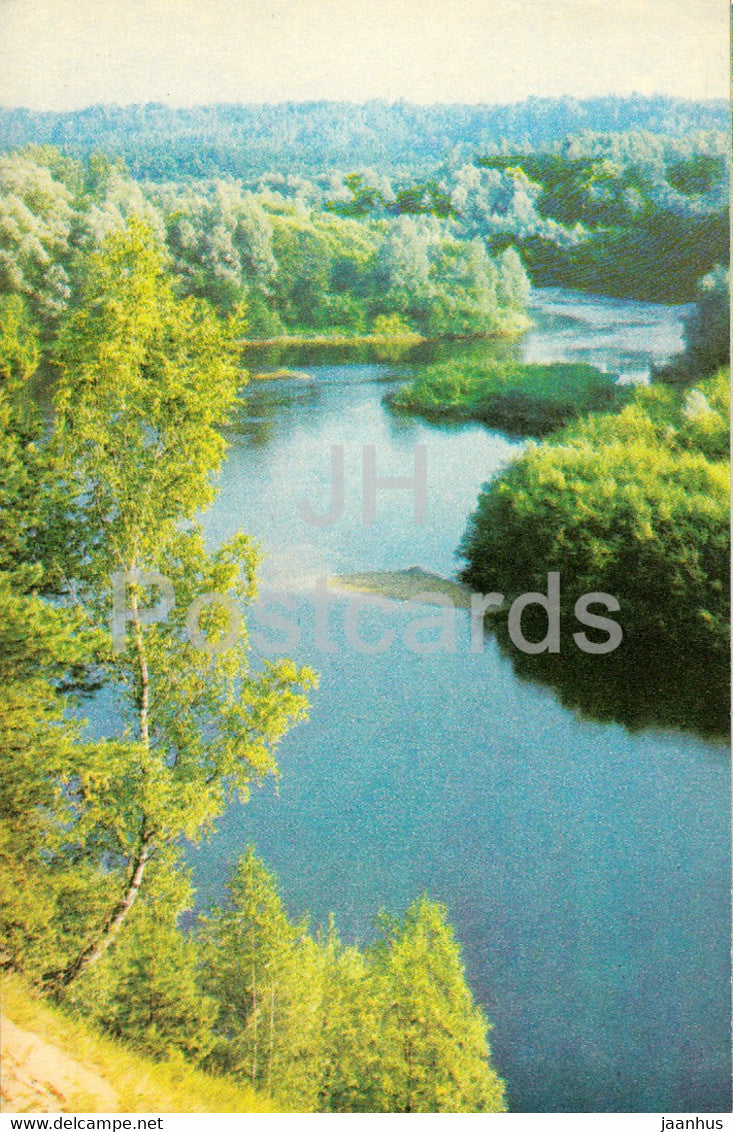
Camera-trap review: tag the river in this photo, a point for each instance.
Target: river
(575, 826)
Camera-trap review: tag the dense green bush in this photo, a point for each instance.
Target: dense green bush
(634, 505)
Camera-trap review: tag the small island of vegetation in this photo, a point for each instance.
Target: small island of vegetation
(526, 399)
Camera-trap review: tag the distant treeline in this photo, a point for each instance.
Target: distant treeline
(164, 143)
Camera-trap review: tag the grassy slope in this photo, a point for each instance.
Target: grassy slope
(140, 1084)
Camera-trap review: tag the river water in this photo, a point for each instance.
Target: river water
(575, 822)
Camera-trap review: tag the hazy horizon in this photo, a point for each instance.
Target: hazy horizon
(364, 102)
(57, 55)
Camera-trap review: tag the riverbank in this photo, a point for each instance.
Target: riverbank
(282, 375)
(518, 326)
(299, 340)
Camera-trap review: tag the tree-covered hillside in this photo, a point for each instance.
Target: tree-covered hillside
(633, 214)
(295, 266)
(608, 209)
(99, 508)
(162, 143)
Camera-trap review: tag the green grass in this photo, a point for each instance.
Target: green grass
(524, 399)
(142, 1085)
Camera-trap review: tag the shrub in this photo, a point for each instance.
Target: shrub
(634, 505)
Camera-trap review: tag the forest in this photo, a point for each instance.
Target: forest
(297, 267)
(616, 205)
(135, 262)
(357, 254)
(591, 213)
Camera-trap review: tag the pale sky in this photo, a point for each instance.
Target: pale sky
(66, 54)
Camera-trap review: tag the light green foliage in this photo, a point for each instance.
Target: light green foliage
(328, 1027)
(146, 988)
(297, 266)
(349, 1051)
(146, 382)
(433, 1052)
(21, 465)
(36, 217)
(590, 212)
(444, 285)
(106, 201)
(531, 399)
(19, 348)
(32, 504)
(705, 418)
(324, 269)
(634, 505)
(391, 326)
(265, 975)
(222, 244)
(513, 285)
(305, 269)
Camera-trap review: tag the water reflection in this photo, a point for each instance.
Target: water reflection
(638, 686)
(264, 404)
(261, 359)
